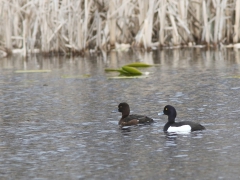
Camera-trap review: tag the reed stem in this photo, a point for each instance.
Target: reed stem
(237, 22)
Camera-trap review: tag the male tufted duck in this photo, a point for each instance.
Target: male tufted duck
(184, 126)
(133, 119)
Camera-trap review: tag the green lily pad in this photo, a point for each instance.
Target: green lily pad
(132, 70)
(122, 72)
(111, 70)
(125, 73)
(235, 77)
(139, 64)
(33, 71)
(128, 77)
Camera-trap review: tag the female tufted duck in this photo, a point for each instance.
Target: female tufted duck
(133, 119)
(184, 126)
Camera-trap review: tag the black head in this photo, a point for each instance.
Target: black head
(123, 107)
(171, 112)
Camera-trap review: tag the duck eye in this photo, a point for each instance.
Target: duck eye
(166, 109)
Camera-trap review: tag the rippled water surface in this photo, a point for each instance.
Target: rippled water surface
(63, 124)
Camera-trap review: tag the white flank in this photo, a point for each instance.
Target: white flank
(184, 128)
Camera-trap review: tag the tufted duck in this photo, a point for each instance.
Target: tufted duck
(184, 126)
(133, 119)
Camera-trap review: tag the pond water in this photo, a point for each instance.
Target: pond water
(63, 124)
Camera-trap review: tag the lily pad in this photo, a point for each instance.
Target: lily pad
(128, 77)
(235, 77)
(122, 72)
(139, 64)
(112, 70)
(33, 71)
(125, 73)
(132, 70)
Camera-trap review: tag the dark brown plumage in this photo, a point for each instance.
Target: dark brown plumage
(133, 119)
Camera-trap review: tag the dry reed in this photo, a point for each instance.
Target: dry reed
(77, 26)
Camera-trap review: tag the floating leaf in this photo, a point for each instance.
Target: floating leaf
(132, 70)
(123, 72)
(110, 70)
(86, 75)
(236, 77)
(33, 71)
(76, 77)
(139, 64)
(128, 77)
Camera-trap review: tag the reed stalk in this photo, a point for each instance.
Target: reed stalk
(182, 20)
(98, 28)
(112, 23)
(206, 30)
(195, 14)
(148, 28)
(237, 22)
(7, 31)
(219, 19)
(217, 6)
(162, 21)
(175, 35)
(77, 26)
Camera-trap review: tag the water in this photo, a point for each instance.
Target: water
(62, 125)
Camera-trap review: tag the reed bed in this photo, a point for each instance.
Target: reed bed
(79, 26)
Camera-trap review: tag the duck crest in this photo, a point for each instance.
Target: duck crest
(171, 112)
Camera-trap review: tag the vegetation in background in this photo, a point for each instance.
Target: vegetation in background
(129, 70)
(77, 26)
